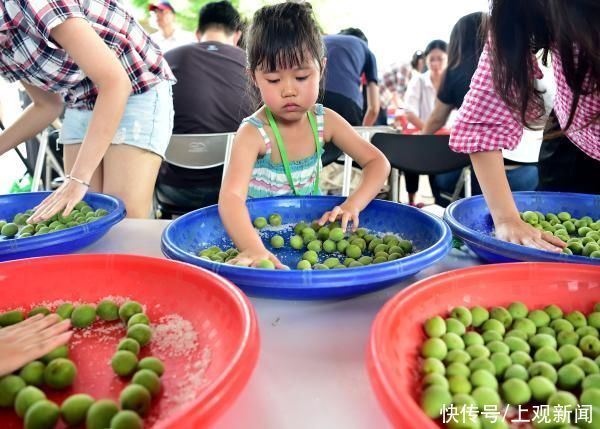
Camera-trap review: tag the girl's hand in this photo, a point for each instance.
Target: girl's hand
(519, 232)
(65, 197)
(251, 258)
(347, 212)
(30, 340)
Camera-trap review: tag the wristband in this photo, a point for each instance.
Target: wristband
(78, 180)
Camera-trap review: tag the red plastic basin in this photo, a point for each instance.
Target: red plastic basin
(397, 332)
(199, 383)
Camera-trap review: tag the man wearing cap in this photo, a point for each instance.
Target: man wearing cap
(168, 36)
(211, 96)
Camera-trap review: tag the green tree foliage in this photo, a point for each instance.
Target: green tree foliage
(187, 16)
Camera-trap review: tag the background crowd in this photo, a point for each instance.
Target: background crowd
(212, 92)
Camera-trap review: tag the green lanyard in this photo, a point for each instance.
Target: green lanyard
(282, 152)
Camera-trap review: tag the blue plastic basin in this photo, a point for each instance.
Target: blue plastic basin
(60, 242)
(470, 220)
(185, 236)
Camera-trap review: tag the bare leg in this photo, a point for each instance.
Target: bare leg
(130, 174)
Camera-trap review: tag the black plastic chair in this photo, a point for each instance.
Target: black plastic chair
(330, 154)
(425, 154)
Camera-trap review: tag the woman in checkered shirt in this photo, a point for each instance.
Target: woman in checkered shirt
(92, 56)
(502, 97)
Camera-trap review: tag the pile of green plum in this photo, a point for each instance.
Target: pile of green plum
(19, 228)
(55, 370)
(325, 247)
(581, 235)
(511, 356)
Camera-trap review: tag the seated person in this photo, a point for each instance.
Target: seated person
(348, 60)
(420, 99)
(464, 50)
(211, 96)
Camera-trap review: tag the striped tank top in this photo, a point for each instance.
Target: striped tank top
(269, 178)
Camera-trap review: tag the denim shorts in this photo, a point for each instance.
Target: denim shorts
(147, 122)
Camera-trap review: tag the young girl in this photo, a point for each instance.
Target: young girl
(93, 56)
(277, 150)
(503, 99)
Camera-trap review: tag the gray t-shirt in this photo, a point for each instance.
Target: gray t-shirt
(211, 96)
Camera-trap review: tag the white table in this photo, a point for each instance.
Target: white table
(311, 371)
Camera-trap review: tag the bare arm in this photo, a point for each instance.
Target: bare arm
(489, 168)
(102, 66)
(372, 104)
(44, 109)
(483, 113)
(414, 119)
(375, 166)
(438, 118)
(232, 198)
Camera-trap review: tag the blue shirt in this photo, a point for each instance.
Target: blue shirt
(348, 57)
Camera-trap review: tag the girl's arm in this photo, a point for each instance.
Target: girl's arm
(232, 199)
(414, 119)
(375, 166)
(489, 168)
(45, 107)
(102, 66)
(438, 117)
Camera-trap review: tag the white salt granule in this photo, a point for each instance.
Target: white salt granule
(53, 305)
(117, 299)
(187, 387)
(174, 339)
(102, 332)
(174, 336)
(282, 227)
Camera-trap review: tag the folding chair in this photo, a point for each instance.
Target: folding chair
(195, 152)
(44, 160)
(47, 162)
(425, 154)
(199, 151)
(366, 133)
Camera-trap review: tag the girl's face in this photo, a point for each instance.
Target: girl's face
(290, 93)
(436, 61)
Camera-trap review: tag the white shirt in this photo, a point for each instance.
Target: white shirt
(528, 150)
(420, 96)
(178, 38)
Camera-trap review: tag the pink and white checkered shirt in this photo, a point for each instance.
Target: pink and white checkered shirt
(28, 52)
(485, 123)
